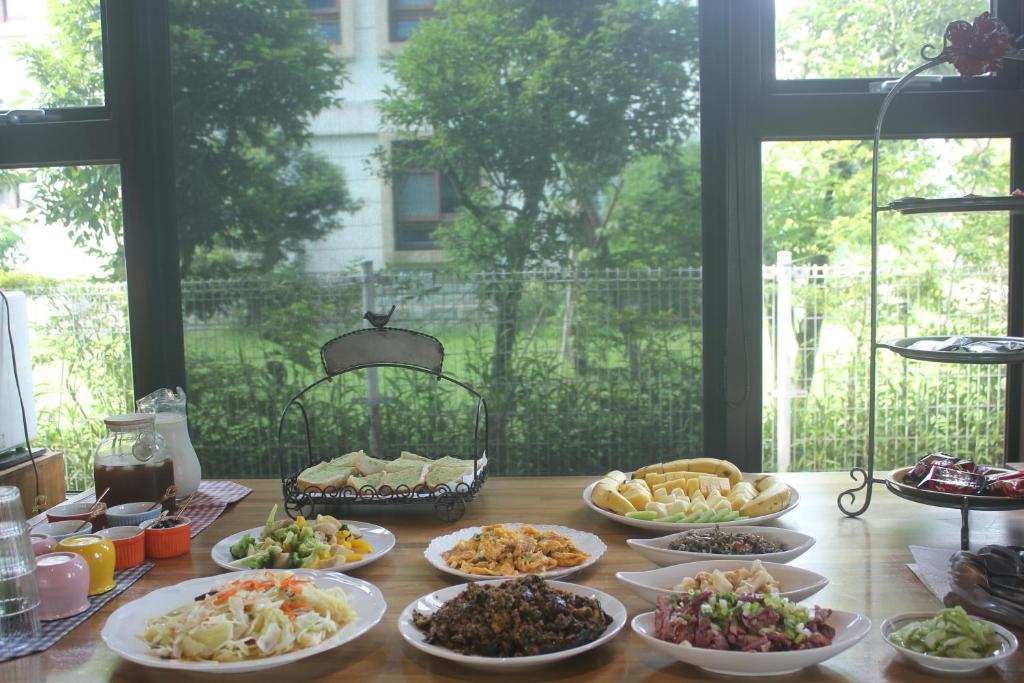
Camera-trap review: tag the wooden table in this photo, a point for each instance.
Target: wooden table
(864, 558)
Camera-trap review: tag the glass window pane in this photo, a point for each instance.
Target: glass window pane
(330, 30)
(581, 324)
(861, 38)
(62, 248)
(51, 55)
(403, 28)
(322, 4)
(449, 197)
(938, 274)
(417, 195)
(417, 4)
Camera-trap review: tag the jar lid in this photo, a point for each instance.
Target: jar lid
(129, 422)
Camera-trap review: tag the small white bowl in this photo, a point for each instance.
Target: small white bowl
(657, 551)
(850, 629)
(948, 665)
(430, 603)
(63, 529)
(794, 583)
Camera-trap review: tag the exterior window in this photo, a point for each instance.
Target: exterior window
(423, 200)
(13, 10)
(328, 18)
(406, 15)
(10, 198)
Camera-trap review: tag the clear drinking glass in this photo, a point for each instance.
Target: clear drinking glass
(19, 593)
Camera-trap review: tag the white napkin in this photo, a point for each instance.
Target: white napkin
(931, 566)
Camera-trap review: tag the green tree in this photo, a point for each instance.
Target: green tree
(657, 223)
(247, 78)
(534, 109)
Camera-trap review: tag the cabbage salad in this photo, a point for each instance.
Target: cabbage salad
(259, 615)
(950, 633)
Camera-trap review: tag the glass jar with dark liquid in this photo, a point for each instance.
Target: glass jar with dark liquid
(132, 461)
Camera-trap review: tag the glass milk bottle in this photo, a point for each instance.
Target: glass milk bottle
(172, 424)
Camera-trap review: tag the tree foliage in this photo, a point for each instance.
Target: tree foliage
(247, 79)
(534, 109)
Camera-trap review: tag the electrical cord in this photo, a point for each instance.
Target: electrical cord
(17, 385)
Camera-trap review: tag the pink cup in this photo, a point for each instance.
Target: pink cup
(42, 544)
(63, 580)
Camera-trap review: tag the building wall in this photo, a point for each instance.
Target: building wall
(347, 135)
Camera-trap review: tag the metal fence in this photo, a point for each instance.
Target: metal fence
(605, 371)
(816, 351)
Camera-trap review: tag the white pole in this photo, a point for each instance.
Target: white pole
(783, 357)
(372, 381)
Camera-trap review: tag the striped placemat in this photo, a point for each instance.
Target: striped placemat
(52, 631)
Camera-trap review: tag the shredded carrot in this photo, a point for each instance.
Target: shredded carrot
(225, 594)
(287, 609)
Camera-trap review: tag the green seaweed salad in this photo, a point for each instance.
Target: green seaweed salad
(950, 633)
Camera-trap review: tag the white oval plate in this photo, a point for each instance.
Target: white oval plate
(124, 627)
(794, 583)
(657, 551)
(587, 542)
(379, 538)
(683, 526)
(429, 603)
(948, 665)
(850, 629)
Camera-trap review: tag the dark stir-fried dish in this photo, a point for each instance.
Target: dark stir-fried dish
(718, 542)
(517, 618)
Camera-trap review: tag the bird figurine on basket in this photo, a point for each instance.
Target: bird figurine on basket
(379, 320)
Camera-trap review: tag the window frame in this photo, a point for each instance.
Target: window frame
(436, 220)
(329, 15)
(419, 11)
(133, 129)
(748, 106)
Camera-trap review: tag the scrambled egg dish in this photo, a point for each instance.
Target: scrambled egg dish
(500, 551)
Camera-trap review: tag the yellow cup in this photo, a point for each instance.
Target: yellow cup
(99, 554)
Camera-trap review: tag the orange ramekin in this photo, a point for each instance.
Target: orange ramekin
(129, 545)
(161, 543)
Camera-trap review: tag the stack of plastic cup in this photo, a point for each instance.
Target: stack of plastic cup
(19, 593)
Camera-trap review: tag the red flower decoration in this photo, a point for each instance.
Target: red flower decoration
(974, 49)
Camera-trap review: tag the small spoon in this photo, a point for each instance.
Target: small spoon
(184, 506)
(93, 512)
(171, 492)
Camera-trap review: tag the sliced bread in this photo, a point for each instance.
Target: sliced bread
(406, 476)
(373, 480)
(406, 455)
(367, 465)
(399, 465)
(323, 475)
(449, 460)
(349, 459)
(438, 474)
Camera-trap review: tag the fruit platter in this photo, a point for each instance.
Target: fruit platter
(690, 493)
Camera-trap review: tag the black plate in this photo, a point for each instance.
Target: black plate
(894, 482)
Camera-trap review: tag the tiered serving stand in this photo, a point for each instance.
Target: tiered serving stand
(383, 347)
(913, 205)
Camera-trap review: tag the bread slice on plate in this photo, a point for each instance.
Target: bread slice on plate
(406, 455)
(367, 465)
(406, 476)
(323, 475)
(373, 480)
